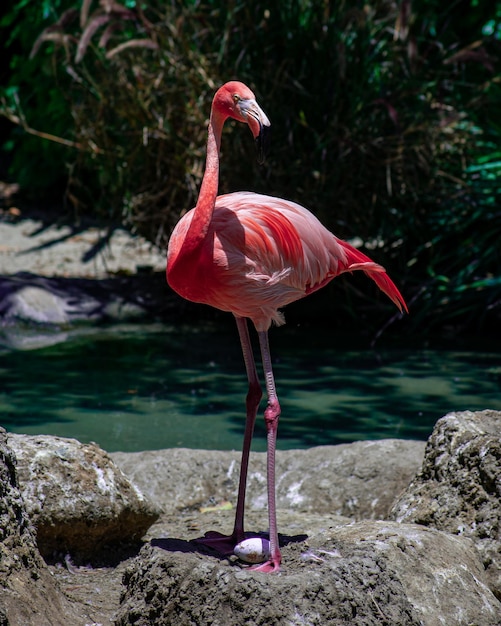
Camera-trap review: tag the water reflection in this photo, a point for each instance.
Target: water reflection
(160, 387)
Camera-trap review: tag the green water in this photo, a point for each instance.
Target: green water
(154, 387)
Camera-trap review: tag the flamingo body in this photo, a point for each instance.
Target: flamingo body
(260, 254)
(252, 254)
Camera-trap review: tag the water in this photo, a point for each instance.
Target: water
(154, 387)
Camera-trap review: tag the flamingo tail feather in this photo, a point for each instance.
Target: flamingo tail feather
(359, 261)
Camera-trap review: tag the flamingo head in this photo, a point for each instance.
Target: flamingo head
(236, 100)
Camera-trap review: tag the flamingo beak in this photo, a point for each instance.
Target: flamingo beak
(263, 141)
(259, 124)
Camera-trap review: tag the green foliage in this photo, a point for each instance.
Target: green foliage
(31, 88)
(386, 122)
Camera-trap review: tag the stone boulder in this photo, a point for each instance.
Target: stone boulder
(358, 480)
(30, 596)
(79, 501)
(357, 574)
(37, 305)
(458, 489)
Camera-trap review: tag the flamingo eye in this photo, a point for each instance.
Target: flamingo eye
(236, 98)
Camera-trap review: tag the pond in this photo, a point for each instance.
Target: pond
(135, 388)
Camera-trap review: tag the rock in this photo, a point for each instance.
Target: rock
(361, 574)
(358, 480)
(35, 304)
(54, 275)
(79, 501)
(30, 596)
(458, 489)
(78, 250)
(335, 570)
(31, 300)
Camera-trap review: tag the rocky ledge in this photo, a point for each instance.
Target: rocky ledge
(58, 278)
(384, 532)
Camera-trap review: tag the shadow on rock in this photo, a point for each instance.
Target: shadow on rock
(194, 546)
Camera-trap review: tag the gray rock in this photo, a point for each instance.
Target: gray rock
(358, 574)
(48, 304)
(30, 596)
(75, 250)
(358, 480)
(458, 489)
(79, 501)
(34, 304)
(335, 571)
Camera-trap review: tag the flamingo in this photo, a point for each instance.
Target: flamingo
(252, 254)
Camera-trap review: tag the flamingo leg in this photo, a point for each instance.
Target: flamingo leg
(254, 395)
(271, 416)
(224, 544)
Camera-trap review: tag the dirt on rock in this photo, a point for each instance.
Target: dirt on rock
(334, 571)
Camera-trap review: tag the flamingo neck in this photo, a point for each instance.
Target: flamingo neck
(209, 187)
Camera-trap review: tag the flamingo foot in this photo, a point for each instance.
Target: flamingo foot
(271, 565)
(222, 544)
(268, 567)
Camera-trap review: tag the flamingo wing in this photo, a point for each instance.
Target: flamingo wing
(262, 253)
(268, 252)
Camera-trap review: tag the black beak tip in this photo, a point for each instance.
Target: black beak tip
(263, 141)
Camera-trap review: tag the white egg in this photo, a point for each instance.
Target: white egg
(253, 550)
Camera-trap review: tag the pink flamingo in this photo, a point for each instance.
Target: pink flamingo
(252, 254)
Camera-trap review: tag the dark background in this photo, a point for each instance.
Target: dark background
(386, 124)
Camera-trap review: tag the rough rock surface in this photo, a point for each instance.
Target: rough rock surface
(359, 480)
(360, 574)
(30, 299)
(335, 570)
(47, 248)
(458, 489)
(79, 501)
(57, 276)
(29, 594)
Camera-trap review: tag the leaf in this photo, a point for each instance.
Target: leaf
(132, 43)
(91, 28)
(84, 12)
